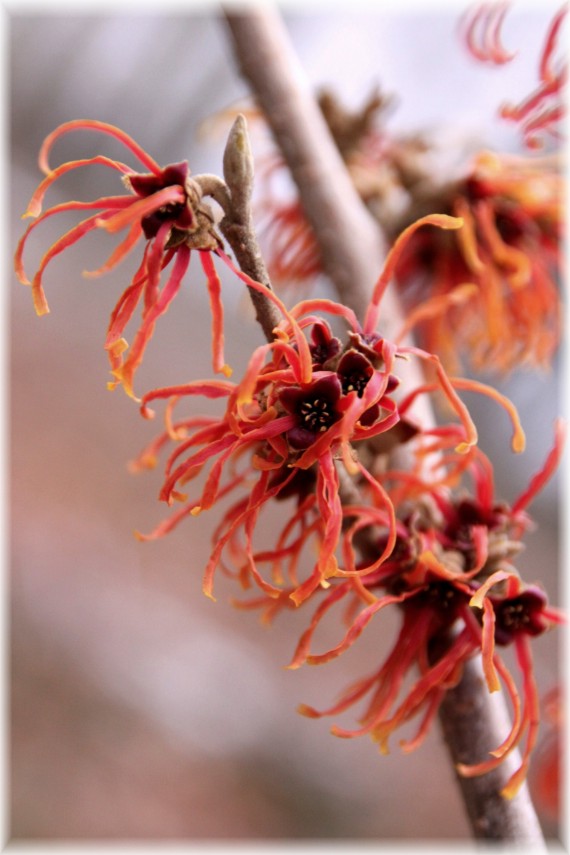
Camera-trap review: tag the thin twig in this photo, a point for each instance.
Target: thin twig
(237, 225)
(352, 252)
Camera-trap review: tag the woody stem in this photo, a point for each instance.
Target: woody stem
(352, 252)
(237, 225)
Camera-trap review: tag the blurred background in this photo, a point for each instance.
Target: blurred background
(140, 710)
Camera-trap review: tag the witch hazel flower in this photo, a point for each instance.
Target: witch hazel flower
(508, 252)
(452, 576)
(308, 405)
(284, 428)
(165, 209)
(487, 294)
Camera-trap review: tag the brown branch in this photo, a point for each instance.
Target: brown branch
(471, 719)
(352, 252)
(351, 245)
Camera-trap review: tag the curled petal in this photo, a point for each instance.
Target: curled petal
(124, 308)
(65, 241)
(126, 373)
(488, 646)
(358, 627)
(331, 512)
(499, 576)
(546, 72)
(510, 742)
(120, 252)
(257, 498)
(467, 237)
(300, 340)
(437, 675)
(449, 391)
(205, 388)
(482, 33)
(532, 705)
(518, 441)
(543, 475)
(323, 305)
(108, 202)
(35, 204)
(217, 310)
(506, 256)
(409, 745)
(302, 649)
(140, 208)
(443, 221)
(102, 127)
(438, 305)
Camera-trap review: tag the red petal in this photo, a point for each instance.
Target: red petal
(94, 125)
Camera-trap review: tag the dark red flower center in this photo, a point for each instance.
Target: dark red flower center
(522, 613)
(441, 596)
(178, 213)
(314, 408)
(354, 370)
(509, 226)
(324, 345)
(300, 485)
(458, 534)
(316, 414)
(355, 382)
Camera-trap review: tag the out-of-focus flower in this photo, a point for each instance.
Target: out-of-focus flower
(165, 209)
(542, 112)
(450, 568)
(481, 30)
(510, 248)
(545, 776)
(539, 114)
(307, 402)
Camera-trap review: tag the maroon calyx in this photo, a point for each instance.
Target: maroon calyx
(315, 409)
(180, 214)
(520, 614)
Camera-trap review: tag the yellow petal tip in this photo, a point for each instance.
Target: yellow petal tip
(519, 443)
(463, 447)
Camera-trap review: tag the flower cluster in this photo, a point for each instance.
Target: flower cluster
(509, 248)
(311, 409)
(305, 401)
(450, 572)
(318, 418)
